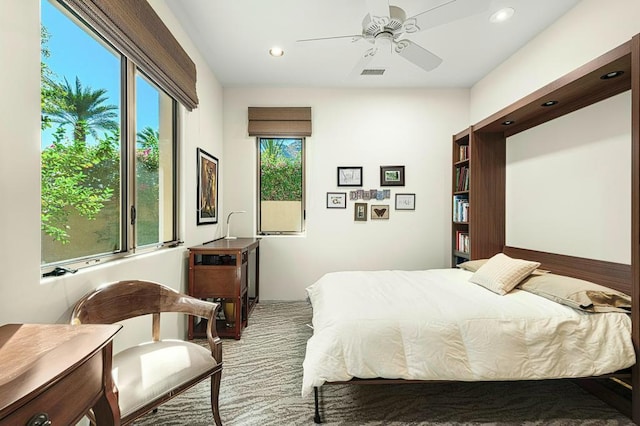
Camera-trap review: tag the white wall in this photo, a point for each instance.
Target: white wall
(582, 157)
(366, 128)
(24, 296)
(569, 181)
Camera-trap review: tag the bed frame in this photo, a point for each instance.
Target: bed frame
(613, 275)
(578, 89)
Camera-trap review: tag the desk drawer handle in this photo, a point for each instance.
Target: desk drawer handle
(41, 419)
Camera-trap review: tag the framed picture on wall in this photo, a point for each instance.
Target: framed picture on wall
(360, 212)
(207, 208)
(349, 176)
(405, 201)
(380, 211)
(336, 200)
(392, 175)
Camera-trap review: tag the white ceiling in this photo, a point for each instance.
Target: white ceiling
(234, 36)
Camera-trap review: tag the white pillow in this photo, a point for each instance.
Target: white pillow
(501, 273)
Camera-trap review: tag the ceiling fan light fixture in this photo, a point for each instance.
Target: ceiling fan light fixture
(276, 52)
(502, 15)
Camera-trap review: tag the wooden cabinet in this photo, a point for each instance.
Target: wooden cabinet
(227, 271)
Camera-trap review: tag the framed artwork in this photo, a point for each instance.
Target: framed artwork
(380, 211)
(360, 212)
(349, 176)
(391, 175)
(405, 201)
(207, 188)
(336, 200)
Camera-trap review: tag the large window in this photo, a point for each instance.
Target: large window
(281, 186)
(108, 149)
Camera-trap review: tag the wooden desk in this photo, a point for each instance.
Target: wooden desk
(58, 370)
(226, 270)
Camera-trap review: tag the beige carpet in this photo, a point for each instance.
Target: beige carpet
(262, 378)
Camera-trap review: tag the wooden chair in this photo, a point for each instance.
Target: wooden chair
(151, 373)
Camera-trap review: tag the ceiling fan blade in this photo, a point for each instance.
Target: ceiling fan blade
(417, 55)
(365, 59)
(444, 12)
(354, 37)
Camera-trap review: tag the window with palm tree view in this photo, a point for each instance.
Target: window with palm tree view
(281, 183)
(108, 176)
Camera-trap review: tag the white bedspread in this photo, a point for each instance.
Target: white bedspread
(435, 325)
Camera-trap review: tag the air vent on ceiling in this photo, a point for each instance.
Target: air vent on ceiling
(372, 72)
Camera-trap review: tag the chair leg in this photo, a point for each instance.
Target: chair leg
(215, 392)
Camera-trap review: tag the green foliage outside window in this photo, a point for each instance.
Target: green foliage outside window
(281, 169)
(81, 178)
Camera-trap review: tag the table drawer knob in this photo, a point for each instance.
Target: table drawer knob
(41, 419)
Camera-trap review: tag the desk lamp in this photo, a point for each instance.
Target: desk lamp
(229, 237)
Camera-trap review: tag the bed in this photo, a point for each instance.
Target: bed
(436, 325)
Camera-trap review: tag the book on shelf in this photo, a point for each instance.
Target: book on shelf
(462, 178)
(463, 152)
(462, 241)
(460, 208)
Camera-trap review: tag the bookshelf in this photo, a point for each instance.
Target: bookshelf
(460, 196)
(478, 187)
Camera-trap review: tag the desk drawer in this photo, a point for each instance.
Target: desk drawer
(216, 282)
(65, 399)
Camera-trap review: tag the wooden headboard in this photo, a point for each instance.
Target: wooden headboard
(610, 274)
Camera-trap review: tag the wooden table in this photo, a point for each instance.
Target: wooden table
(58, 371)
(226, 270)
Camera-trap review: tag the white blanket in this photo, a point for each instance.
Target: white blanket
(435, 325)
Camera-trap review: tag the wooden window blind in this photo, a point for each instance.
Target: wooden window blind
(134, 28)
(279, 121)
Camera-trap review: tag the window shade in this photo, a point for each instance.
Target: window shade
(280, 121)
(134, 28)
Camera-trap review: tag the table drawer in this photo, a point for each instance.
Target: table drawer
(216, 282)
(64, 399)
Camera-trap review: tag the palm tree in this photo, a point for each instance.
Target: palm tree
(84, 110)
(148, 151)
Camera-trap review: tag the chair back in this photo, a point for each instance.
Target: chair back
(122, 300)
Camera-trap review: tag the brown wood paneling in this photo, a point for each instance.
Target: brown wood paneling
(610, 274)
(635, 220)
(487, 194)
(573, 91)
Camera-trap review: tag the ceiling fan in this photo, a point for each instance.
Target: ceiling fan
(387, 28)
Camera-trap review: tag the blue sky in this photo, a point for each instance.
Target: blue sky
(75, 53)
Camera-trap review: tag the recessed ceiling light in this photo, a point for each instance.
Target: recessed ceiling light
(549, 103)
(508, 122)
(612, 74)
(502, 15)
(276, 51)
